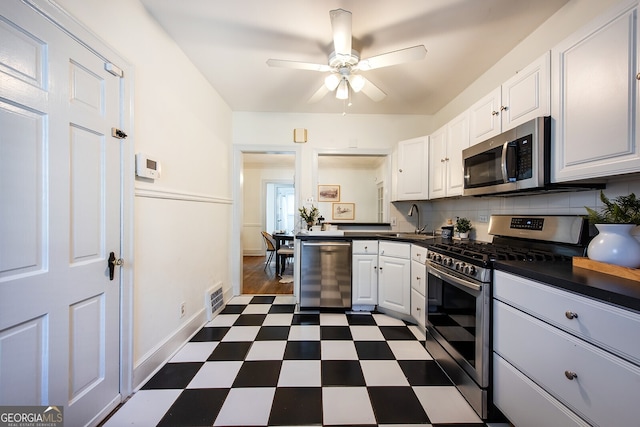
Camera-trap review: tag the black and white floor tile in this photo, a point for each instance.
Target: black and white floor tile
(259, 363)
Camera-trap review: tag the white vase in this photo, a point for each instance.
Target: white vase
(614, 244)
(464, 235)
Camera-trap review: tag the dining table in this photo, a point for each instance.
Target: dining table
(281, 239)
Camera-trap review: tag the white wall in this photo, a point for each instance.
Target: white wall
(326, 131)
(182, 220)
(357, 186)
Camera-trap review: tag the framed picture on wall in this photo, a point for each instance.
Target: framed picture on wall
(343, 211)
(328, 193)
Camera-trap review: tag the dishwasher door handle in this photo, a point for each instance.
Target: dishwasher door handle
(326, 243)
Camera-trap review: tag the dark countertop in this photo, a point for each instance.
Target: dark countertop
(604, 287)
(422, 240)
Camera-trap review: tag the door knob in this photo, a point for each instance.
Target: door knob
(111, 264)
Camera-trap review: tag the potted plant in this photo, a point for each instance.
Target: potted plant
(614, 243)
(463, 226)
(309, 216)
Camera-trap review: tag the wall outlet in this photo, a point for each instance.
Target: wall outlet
(394, 221)
(483, 218)
(182, 310)
(309, 199)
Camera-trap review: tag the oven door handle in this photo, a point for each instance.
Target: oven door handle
(464, 285)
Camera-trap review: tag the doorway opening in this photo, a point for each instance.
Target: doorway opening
(280, 207)
(269, 201)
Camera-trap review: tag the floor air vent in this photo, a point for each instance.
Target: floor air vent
(214, 301)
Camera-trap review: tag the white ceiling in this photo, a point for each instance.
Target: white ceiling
(230, 42)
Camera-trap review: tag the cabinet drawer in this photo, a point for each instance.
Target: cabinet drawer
(511, 388)
(606, 388)
(419, 277)
(365, 247)
(605, 325)
(418, 303)
(395, 249)
(418, 253)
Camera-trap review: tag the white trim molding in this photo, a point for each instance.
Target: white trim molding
(162, 193)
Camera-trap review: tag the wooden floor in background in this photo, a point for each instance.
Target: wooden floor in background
(258, 280)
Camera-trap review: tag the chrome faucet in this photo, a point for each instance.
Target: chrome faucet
(415, 207)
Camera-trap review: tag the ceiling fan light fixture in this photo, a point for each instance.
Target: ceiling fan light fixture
(357, 82)
(331, 82)
(343, 90)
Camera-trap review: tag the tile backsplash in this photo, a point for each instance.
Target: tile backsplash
(434, 213)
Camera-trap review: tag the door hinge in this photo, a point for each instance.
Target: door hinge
(117, 133)
(112, 69)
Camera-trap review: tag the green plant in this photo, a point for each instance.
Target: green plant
(309, 215)
(622, 210)
(463, 225)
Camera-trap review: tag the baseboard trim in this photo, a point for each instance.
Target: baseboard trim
(163, 352)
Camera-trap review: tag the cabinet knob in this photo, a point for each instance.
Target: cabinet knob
(446, 159)
(503, 108)
(442, 160)
(494, 113)
(638, 76)
(571, 315)
(418, 278)
(570, 375)
(399, 170)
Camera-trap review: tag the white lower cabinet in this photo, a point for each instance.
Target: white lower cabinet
(545, 374)
(365, 272)
(418, 284)
(394, 276)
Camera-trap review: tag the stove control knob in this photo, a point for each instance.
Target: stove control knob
(449, 262)
(438, 258)
(470, 269)
(460, 266)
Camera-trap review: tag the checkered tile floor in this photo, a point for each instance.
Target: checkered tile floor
(260, 363)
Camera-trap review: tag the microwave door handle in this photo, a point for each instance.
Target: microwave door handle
(506, 162)
(503, 164)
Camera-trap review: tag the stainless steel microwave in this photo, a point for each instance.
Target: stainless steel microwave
(513, 161)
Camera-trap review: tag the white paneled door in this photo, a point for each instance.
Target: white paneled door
(59, 220)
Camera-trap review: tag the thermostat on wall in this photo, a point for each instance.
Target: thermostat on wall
(146, 167)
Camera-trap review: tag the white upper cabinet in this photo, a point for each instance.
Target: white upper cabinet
(521, 98)
(595, 98)
(446, 174)
(485, 117)
(412, 169)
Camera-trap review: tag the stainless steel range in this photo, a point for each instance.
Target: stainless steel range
(459, 287)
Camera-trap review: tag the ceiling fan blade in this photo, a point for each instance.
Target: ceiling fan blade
(372, 91)
(414, 53)
(297, 65)
(341, 25)
(320, 93)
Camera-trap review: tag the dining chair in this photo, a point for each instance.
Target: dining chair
(271, 247)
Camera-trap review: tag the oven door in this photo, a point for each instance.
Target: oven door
(458, 319)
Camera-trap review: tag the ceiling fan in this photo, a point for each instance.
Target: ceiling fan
(345, 63)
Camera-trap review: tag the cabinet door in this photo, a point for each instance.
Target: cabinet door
(412, 173)
(595, 99)
(484, 117)
(365, 279)
(458, 140)
(527, 95)
(394, 284)
(418, 302)
(437, 163)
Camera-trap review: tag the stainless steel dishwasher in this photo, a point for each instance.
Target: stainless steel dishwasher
(325, 274)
